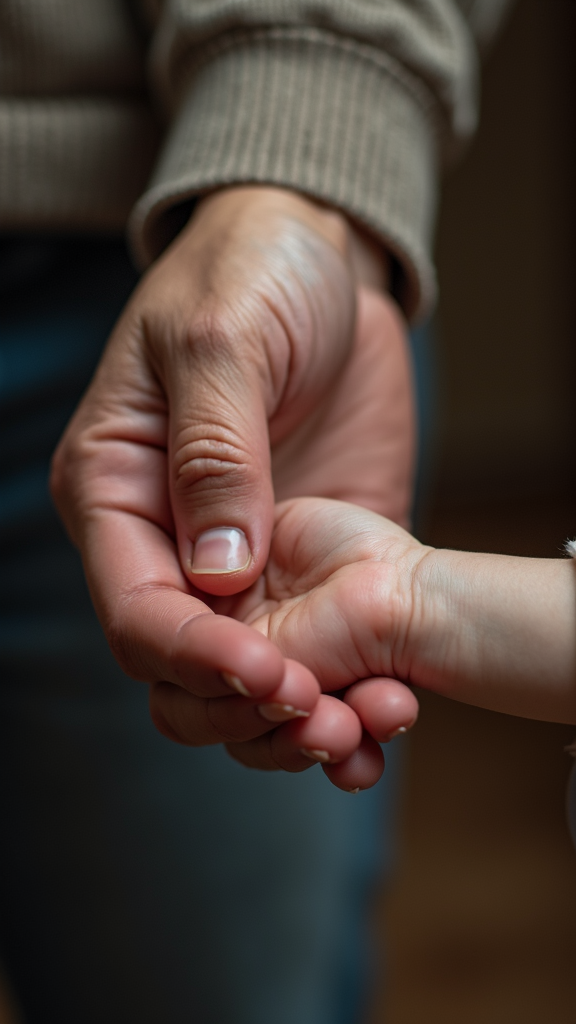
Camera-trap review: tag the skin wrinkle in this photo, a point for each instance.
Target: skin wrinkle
(100, 511)
(298, 275)
(128, 419)
(391, 636)
(293, 330)
(418, 589)
(225, 382)
(217, 459)
(280, 622)
(388, 637)
(211, 342)
(275, 341)
(302, 555)
(205, 476)
(221, 446)
(299, 247)
(295, 380)
(142, 343)
(354, 670)
(113, 453)
(282, 378)
(102, 496)
(273, 758)
(282, 584)
(217, 395)
(93, 503)
(277, 625)
(151, 431)
(450, 655)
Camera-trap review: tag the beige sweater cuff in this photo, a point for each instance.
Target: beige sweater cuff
(305, 110)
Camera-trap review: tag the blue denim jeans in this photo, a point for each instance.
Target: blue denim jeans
(141, 881)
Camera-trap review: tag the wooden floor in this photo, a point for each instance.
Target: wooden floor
(480, 923)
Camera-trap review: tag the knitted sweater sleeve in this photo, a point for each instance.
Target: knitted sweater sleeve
(353, 102)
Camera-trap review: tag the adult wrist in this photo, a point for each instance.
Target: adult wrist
(363, 140)
(367, 259)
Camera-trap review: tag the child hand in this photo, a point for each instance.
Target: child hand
(352, 595)
(336, 597)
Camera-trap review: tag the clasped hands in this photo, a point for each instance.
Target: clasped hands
(259, 361)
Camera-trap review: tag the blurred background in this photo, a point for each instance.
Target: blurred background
(480, 925)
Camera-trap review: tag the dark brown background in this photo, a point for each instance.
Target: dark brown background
(481, 920)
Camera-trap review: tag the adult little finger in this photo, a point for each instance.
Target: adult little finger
(331, 733)
(385, 707)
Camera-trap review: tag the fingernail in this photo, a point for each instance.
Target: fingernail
(315, 755)
(224, 549)
(354, 791)
(235, 683)
(281, 712)
(399, 732)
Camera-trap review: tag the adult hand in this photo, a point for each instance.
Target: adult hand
(245, 334)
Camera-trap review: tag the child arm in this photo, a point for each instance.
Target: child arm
(353, 596)
(497, 631)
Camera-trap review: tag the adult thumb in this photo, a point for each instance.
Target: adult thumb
(219, 458)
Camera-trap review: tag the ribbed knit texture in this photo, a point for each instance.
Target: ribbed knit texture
(313, 114)
(350, 101)
(73, 164)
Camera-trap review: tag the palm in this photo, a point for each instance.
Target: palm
(331, 596)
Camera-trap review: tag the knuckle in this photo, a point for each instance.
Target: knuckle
(212, 337)
(207, 458)
(66, 466)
